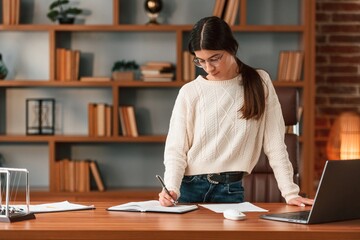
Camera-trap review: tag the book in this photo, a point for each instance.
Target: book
(57, 207)
(132, 121)
(101, 119)
(290, 65)
(94, 169)
(152, 206)
(95, 79)
(67, 64)
(128, 121)
(229, 11)
(186, 66)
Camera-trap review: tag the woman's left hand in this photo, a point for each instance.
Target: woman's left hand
(301, 202)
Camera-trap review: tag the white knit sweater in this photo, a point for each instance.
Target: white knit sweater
(208, 135)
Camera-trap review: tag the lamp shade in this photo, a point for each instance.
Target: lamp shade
(344, 137)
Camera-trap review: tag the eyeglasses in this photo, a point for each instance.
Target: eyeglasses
(213, 61)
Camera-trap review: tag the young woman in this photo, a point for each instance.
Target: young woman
(219, 124)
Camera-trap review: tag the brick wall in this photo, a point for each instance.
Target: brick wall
(337, 67)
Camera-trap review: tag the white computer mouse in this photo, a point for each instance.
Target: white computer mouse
(233, 214)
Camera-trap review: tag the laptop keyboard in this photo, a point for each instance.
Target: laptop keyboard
(302, 215)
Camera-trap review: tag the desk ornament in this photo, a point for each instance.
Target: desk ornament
(153, 8)
(10, 179)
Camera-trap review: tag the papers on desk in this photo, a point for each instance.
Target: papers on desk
(56, 207)
(242, 207)
(152, 206)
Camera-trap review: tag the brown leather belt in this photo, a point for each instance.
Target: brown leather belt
(225, 177)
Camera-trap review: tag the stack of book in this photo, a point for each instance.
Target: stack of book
(227, 10)
(95, 79)
(100, 116)
(290, 65)
(128, 121)
(157, 72)
(189, 69)
(67, 64)
(76, 176)
(11, 12)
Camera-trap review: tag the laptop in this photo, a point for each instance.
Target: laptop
(336, 199)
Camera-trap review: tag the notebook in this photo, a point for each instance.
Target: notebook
(152, 206)
(336, 199)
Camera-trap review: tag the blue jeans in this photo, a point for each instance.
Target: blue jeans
(197, 189)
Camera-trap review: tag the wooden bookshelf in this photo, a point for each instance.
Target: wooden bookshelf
(305, 31)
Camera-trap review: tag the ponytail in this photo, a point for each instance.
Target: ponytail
(254, 94)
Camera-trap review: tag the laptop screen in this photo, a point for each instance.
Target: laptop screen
(337, 196)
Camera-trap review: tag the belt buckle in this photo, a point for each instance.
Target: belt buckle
(208, 177)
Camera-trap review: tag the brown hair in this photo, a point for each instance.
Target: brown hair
(213, 33)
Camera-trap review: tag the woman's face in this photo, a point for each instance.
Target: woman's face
(218, 64)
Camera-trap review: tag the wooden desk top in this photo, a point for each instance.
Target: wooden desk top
(199, 224)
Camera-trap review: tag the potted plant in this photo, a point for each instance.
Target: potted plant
(64, 14)
(124, 70)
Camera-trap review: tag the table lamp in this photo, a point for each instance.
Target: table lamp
(344, 137)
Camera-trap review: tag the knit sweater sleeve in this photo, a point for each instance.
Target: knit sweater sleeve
(177, 144)
(274, 144)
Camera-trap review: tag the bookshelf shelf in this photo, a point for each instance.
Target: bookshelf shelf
(86, 139)
(80, 139)
(128, 38)
(145, 28)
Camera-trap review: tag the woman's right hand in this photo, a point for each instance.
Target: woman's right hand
(165, 199)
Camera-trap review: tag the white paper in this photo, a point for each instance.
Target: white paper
(56, 207)
(242, 207)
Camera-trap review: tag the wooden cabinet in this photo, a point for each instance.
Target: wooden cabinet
(263, 28)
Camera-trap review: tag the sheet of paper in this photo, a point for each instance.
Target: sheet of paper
(242, 207)
(56, 207)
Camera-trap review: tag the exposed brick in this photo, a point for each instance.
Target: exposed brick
(321, 39)
(341, 17)
(337, 69)
(322, 122)
(344, 59)
(338, 49)
(321, 100)
(337, 6)
(321, 132)
(323, 17)
(345, 101)
(344, 38)
(335, 89)
(335, 111)
(320, 79)
(331, 28)
(337, 44)
(321, 59)
(344, 79)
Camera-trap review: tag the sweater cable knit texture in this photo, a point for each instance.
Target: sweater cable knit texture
(207, 134)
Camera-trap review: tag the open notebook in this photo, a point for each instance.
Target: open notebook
(152, 206)
(337, 197)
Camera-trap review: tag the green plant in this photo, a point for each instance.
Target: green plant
(3, 69)
(59, 10)
(123, 65)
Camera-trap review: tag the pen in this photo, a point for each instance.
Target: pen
(166, 190)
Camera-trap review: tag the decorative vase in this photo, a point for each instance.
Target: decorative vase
(66, 20)
(3, 69)
(153, 8)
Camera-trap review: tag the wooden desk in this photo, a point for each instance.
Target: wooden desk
(199, 224)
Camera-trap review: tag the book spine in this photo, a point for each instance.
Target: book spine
(94, 169)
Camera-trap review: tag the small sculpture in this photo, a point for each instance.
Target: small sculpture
(153, 8)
